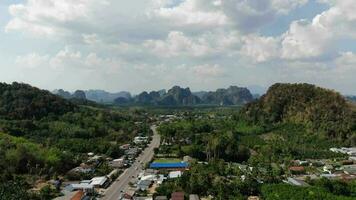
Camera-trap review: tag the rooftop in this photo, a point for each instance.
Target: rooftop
(169, 165)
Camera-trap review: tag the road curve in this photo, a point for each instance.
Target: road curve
(131, 173)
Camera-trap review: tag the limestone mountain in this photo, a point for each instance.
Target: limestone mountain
(320, 110)
(231, 96)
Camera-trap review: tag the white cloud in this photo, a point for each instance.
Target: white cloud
(260, 49)
(47, 17)
(207, 71)
(311, 39)
(177, 44)
(192, 12)
(304, 40)
(250, 15)
(32, 60)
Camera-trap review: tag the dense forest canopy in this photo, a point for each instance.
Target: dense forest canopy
(320, 110)
(22, 101)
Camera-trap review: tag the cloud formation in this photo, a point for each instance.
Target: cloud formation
(159, 43)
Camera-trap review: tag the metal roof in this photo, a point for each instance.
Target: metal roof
(169, 165)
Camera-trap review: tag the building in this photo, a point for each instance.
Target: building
(297, 170)
(144, 185)
(194, 197)
(132, 152)
(350, 169)
(174, 174)
(161, 198)
(78, 196)
(125, 146)
(99, 181)
(177, 196)
(349, 151)
(128, 195)
(117, 163)
(83, 168)
(87, 188)
(296, 182)
(143, 198)
(170, 166)
(187, 159)
(140, 140)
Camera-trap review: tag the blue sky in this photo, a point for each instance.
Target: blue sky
(204, 44)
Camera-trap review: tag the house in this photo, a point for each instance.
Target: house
(297, 169)
(160, 179)
(140, 140)
(99, 182)
(128, 195)
(350, 169)
(347, 162)
(328, 168)
(125, 146)
(144, 185)
(296, 182)
(330, 176)
(143, 198)
(117, 163)
(174, 174)
(350, 151)
(194, 197)
(177, 196)
(170, 166)
(187, 159)
(132, 152)
(87, 188)
(78, 196)
(151, 177)
(161, 198)
(83, 168)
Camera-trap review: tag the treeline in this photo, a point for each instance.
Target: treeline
(204, 140)
(20, 156)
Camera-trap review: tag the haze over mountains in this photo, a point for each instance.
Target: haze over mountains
(176, 96)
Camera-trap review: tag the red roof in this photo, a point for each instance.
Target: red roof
(78, 195)
(297, 168)
(177, 196)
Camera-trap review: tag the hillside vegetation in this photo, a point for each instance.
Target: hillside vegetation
(320, 110)
(22, 101)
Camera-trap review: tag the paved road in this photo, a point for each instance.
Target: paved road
(130, 174)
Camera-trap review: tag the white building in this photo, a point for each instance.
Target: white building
(175, 174)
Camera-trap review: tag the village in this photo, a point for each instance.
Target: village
(165, 167)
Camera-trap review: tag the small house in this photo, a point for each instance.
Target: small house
(177, 196)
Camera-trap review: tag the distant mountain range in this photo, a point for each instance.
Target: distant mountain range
(99, 96)
(176, 96)
(351, 98)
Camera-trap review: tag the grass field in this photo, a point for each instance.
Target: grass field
(167, 160)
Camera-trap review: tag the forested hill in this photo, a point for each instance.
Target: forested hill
(22, 101)
(320, 110)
